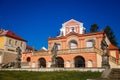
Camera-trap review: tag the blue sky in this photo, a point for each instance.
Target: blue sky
(36, 20)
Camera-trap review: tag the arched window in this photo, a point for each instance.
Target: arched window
(73, 44)
(90, 43)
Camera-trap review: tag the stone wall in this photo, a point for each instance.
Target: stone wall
(8, 57)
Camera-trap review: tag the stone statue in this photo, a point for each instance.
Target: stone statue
(16, 63)
(54, 54)
(18, 59)
(105, 56)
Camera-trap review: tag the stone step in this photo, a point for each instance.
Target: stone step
(102, 79)
(110, 74)
(115, 74)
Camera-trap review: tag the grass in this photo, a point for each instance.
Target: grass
(62, 75)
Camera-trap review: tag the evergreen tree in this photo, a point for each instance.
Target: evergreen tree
(110, 35)
(94, 28)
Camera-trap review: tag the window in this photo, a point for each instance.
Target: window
(58, 45)
(72, 29)
(21, 44)
(89, 43)
(16, 43)
(10, 42)
(73, 44)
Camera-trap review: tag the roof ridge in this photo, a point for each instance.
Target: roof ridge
(10, 33)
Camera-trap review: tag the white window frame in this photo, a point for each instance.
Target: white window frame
(89, 43)
(16, 43)
(73, 44)
(10, 41)
(21, 44)
(59, 46)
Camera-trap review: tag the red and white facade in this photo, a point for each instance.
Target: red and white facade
(75, 49)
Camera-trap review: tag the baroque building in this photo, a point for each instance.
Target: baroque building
(76, 48)
(9, 41)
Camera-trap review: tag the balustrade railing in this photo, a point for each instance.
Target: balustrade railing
(98, 51)
(67, 51)
(119, 61)
(24, 63)
(78, 50)
(41, 53)
(113, 59)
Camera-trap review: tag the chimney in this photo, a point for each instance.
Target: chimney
(1, 30)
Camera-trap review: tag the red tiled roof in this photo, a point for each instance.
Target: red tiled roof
(29, 47)
(112, 47)
(11, 34)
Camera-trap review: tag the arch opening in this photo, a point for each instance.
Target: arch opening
(79, 61)
(41, 63)
(59, 62)
(28, 59)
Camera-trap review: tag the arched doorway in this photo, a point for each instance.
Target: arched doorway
(79, 61)
(41, 63)
(28, 59)
(59, 62)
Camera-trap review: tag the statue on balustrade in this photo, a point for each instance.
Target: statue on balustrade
(18, 59)
(105, 56)
(54, 54)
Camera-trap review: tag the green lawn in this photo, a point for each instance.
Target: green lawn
(62, 75)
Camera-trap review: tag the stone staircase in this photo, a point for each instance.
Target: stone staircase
(114, 74)
(109, 74)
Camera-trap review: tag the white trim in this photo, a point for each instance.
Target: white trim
(70, 21)
(80, 24)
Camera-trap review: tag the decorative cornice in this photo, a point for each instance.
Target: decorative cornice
(76, 34)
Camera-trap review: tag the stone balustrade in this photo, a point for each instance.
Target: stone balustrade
(78, 50)
(66, 51)
(56, 69)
